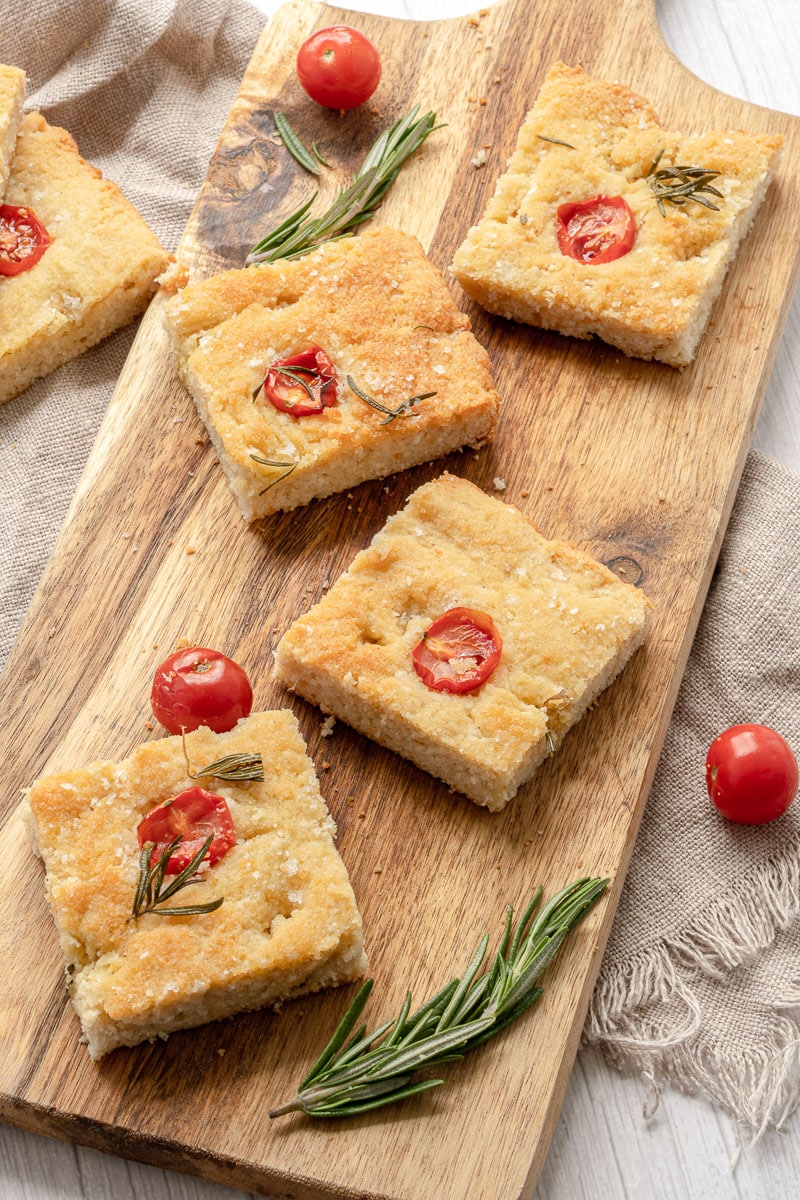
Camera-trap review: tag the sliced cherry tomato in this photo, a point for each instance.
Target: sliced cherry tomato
(597, 230)
(458, 651)
(196, 687)
(23, 239)
(751, 774)
(193, 815)
(303, 384)
(338, 67)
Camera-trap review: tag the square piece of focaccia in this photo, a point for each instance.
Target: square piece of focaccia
(384, 318)
(585, 140)
(12, 97)
(566, 623)
(288, 923)
(97, 273)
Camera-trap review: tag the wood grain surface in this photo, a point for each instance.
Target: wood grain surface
(630, 460)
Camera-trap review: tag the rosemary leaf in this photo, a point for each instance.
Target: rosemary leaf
(555, 141)
(318, 156)
(362, 1072)
(342, 1031)
(299, 233)
(150, 892)
(293, 374)
(230, 766)
(268, 462)
(246, 767)
(404, 407)
(293, 144)
(676, 185)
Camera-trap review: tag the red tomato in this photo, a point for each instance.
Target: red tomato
(23, 239)
(338, 67)
(303, 384)
(597, 230)
(196, 687)
(458, 651)
(751, 774)
(193, 815)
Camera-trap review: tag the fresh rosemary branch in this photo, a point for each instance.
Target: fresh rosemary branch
(299, 233)
(364, 1071)
(676, 185)
(403, 407)
(150, 891)
(293, 144)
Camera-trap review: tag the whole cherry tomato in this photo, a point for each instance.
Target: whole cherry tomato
(196, 687)
(303, 384)
(338, 67)
(193, 815)
(23, 239)
(751, 774)
(596, 230)
(458, 651)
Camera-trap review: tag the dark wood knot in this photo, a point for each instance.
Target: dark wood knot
(627, 569)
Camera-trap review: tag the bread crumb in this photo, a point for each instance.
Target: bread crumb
(326, 728)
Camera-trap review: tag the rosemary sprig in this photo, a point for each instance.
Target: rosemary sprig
(402, 409)
(249, 767)
(150, 890)
(243, 767)
(676, 185)
(269, 462)
(299, 233)
(293, 144)
(363, 1071)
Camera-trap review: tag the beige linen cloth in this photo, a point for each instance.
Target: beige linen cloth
(698, 983)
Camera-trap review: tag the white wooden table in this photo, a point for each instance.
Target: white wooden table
(603, 1149)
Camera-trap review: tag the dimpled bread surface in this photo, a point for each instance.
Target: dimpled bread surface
(568, 625)
(383, 313)
(654, 301)
(12, 97)
(97, 274)
(288, 924)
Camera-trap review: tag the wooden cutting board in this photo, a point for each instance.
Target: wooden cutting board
(633, 461)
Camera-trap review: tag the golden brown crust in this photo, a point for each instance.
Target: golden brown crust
(12, 97)
(97, 274)
(385, 316)
(289, 921)
(654, 301)
(568, 625)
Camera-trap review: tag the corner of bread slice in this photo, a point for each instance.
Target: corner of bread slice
(97, 273)
(12, 98)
